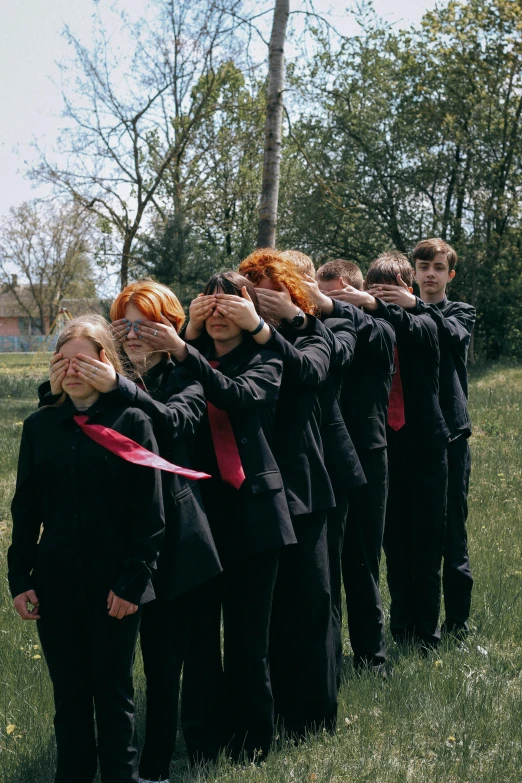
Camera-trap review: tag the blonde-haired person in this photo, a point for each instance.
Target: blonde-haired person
(145, 315)
(87, 529)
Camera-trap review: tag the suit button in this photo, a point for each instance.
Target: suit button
(243, 441)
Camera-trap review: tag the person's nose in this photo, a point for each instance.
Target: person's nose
(132, 334)
(71, 371)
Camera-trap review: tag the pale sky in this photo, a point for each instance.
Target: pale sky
(31, 43)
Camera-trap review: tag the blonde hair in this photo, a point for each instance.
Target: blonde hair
(95, 329)
(302, 262)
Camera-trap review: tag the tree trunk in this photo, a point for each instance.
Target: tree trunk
(125, 256)
(266, 230)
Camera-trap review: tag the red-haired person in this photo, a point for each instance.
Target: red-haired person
(228, 704)
(302, 660)
(83, 553)
(341, 460)
(175, 403)
(416, 435)
(434, 261)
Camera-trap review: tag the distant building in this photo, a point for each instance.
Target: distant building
(78, 307)
(21, 328)
(19, 316)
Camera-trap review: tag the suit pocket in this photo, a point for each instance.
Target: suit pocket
(263, 482)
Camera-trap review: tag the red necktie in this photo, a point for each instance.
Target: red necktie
(396, 418)
(131, 451)
(225, 446)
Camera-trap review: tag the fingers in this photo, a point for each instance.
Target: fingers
(21, 603)
(110, 599)
(120, 329)
(120, 607)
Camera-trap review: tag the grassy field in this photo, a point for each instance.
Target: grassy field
(454, 716)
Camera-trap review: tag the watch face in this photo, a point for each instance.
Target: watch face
(299, 319)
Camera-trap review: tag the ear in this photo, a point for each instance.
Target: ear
(165, 320)
(451, 275)
(410, 289)
(103, 357)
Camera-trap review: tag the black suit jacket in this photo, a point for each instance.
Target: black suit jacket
(455, 322)
(297, 441)
(246, 385)
(418, 349)
(95, 537)
(340, 456)
(367, 380)
(175, 403)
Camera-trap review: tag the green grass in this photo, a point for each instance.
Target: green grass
(20, 374)
(454, 716)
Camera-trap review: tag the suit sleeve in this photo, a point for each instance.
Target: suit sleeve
(343, 338)
(374, 332)
(307, 364)
(178, 416)
(147, 524)
(454, 327)
(419, 330)
(25, 509)
(257, 385)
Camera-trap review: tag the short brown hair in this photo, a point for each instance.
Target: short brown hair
(332, 270)
(386, 268)
(427, 249)
(302, 262)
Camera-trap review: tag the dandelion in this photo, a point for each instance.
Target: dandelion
(36, 657)
(36, 646)
(451, 742)
(10, 728)
(313, 776)
(438, 664)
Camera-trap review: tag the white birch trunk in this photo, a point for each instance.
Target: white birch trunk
(266, 232)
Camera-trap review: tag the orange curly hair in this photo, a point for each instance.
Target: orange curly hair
(153, 299)
(267, 262)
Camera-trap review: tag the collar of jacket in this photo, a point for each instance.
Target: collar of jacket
(443, 303)
(153, 378)
(237, 357)
(103, 403)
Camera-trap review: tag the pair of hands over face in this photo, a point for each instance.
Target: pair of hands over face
(118, 607)
(240, 309)
(98, 373)
(399, 294)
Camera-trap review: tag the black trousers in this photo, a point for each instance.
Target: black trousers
(227, 704)
(361, 559)
(336, 524)
(414, 537)
(302, 658)
(163, 632)
(457, 581)
(90, 658)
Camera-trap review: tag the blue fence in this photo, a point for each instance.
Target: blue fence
(27, 343)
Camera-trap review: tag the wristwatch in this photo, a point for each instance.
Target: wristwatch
(297, 321)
